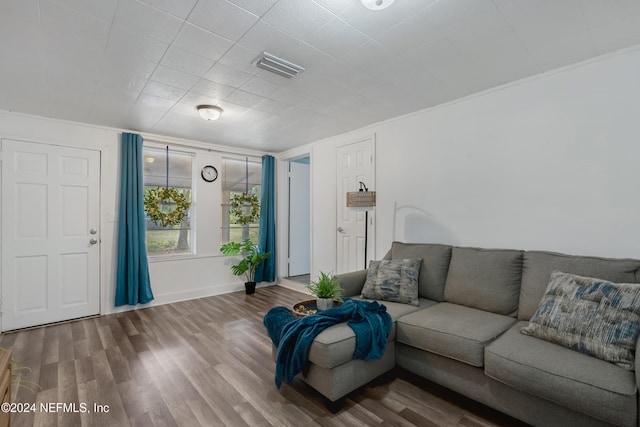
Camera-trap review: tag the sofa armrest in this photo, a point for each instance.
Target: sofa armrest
(352, 283)
(637, 366)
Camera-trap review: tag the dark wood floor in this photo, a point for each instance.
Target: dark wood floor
(204, 362)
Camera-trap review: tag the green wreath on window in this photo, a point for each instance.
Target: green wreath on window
(239, 203)
(156, 200)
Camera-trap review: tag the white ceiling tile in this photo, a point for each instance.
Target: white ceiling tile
(255, 116)
(100, 9)
(20, 10)
(299, 18)
(126, 44)
(260, 87)
(211, 89)
(69, 30)
(367, 56)
(125, 73)
(257, 7)
(244, 99)
(410, 33)
(28, 89)
(266, 38)
(162, 90)
(179, 8)
(374, 22)
(187, 62)
(223, 18)
(290, 96)
(272, 106)
(241, 58)
(452, 16)
(335, 6)
(201, 42)
(226, 75)
(20, 40)
(147, 20)
(175, 78)
(613, 25)
(337, 38)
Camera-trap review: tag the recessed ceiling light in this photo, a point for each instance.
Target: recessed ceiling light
(377, 4)
(209, 112)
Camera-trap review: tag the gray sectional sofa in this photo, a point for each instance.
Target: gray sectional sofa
(465, 335)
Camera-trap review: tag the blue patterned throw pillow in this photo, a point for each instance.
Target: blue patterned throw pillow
(592, 316)
(393, 280)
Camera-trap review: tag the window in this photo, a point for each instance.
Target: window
(239, 176)
(173, 239)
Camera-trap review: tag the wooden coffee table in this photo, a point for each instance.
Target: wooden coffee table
(308, 307)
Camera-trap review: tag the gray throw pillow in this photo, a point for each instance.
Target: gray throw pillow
(393, 280)
(592, 316)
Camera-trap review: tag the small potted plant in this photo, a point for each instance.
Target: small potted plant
(326, 289)
(251, 259)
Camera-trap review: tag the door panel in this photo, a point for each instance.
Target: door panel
(354, 165)
(50, 202)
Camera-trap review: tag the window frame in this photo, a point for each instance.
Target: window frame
(154, 146)
(226, 227)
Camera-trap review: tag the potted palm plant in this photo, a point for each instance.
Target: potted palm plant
(326, 289)
(251, 259)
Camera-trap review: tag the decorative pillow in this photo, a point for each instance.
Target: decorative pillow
(393, 280)
(592, 316)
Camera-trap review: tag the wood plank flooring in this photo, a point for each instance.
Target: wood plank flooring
(204, 362)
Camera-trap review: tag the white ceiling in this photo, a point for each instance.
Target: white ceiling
(145, 65)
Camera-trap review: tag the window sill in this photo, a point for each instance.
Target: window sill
(178, 257)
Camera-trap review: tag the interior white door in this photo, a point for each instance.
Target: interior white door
(50, 235)
(299, 219)
(355, 164)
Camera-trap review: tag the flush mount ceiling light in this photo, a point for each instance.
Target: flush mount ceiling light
(377, 4)
(209, 112)
(278, 65)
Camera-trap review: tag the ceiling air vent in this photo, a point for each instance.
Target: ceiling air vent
(278, 65)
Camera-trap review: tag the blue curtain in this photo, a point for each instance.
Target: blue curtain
(266, 272)
(132, 275)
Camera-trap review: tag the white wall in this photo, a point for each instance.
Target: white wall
(547, 163)
(172, 279)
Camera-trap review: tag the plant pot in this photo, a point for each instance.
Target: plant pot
(324, 303)
(250, 287)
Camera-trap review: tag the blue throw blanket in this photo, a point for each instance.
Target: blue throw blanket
(293, 336)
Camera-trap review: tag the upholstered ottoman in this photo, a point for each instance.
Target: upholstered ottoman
(331, 368)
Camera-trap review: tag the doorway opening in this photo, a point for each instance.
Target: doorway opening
(299, 256)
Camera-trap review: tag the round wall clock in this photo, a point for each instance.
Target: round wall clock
(209, 173)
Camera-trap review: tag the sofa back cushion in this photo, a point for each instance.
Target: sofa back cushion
(538, 266)
(435, 264)
(486, 279)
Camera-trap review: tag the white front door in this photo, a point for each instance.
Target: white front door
(355, 164)
(50, 235)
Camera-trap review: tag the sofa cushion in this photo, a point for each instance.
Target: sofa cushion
(453, 331)
(486, 279)
(538, 266)
(435, 265)
(592, 316)
(335, 345)
(566, 377)
(393, 280)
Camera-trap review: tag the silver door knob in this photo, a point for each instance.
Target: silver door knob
(340, 230)
(93, 241)
(93, 231)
